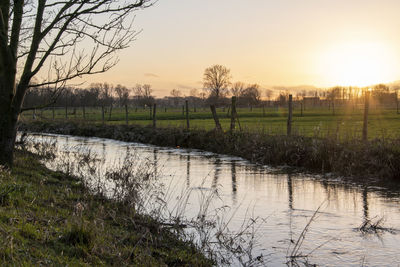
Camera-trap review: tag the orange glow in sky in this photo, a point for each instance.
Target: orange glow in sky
(269, 42)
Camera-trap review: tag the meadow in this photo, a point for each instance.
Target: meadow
(345, 123)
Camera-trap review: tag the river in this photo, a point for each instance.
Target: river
(284, 202)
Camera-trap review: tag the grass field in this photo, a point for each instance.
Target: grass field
(320, 122)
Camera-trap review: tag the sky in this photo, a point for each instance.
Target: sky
(270, 42)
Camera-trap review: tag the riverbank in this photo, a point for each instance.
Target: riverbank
(49, 218)
(378, 158)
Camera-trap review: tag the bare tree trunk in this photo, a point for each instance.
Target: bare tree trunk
(8, 131)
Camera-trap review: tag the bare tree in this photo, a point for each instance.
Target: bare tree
(194, 92)
(237, 89)
(55, 34)
(268, 94)
(176, 93)
(123, 94)
(216, 80)
(251, 95)
(143, 94)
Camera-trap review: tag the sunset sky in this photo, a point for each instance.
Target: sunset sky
(269, 42)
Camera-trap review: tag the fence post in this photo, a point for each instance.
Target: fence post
(151, 112)
(154, 115)
(365, 125)
(187, 114)
(66, 109)
(301, 109)
(215, 116)
(102, 114)
(233, 113)
(290, 114)
(183, 110)
(126, 114)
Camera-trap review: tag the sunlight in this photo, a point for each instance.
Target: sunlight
(358, 64)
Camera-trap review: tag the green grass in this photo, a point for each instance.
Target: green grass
(41, 224)
(347, 123)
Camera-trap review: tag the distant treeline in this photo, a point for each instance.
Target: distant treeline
(105, 95)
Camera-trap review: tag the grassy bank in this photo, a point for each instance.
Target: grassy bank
(378, 158)
(48, 218)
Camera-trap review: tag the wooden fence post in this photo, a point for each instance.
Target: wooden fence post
(126, 114)
(290, 115)
(215, 116)
(187, 114)
(365, 125)
(151, 112)
(301, 109)
(233, 113)
(109, 115)
(66, 109)
(154, 115)
(183, 110)
(102, 114)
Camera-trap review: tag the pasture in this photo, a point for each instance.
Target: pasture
(343, 123)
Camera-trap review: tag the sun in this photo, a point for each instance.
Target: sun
(358, 64)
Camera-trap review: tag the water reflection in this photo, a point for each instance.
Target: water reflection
(234, 185)
(290, 191)
(217, 171)
(287, 200)
(365, 203)
(188, 171)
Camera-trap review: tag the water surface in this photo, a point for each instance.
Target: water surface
(285, 201)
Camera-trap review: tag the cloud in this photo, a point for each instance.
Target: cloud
(182, 86)
(152, 75)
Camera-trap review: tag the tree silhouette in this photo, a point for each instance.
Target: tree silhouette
(57, 35)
